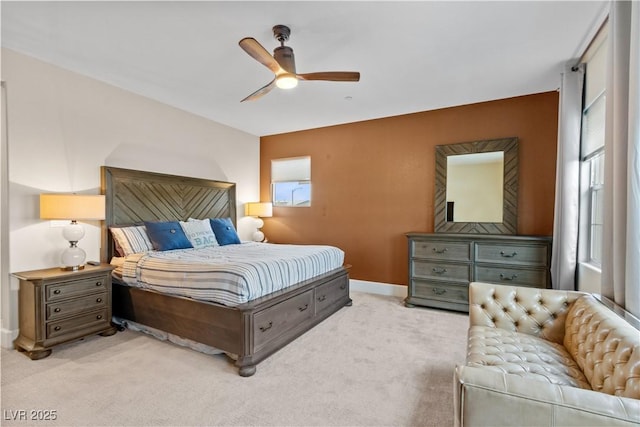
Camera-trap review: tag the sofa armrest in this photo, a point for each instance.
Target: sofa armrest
(534, 311)
(483, 397)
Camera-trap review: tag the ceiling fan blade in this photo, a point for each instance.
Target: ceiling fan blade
(333, 76)
(260, 54)
(260, 92)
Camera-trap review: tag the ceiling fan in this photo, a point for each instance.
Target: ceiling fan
(283, 65)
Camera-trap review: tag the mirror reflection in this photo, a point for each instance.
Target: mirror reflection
(475, 185)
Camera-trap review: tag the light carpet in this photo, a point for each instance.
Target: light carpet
(376, 363)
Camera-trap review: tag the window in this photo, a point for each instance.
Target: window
(291, 182)
(592, 154)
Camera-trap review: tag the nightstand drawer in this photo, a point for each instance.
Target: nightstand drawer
(75, 306)
(441, 271)
(444, 250)
(62, 290)
(533, 255)
(80, 323)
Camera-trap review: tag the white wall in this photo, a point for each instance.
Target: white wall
(63, 126)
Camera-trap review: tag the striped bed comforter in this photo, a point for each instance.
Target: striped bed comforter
(231, 274)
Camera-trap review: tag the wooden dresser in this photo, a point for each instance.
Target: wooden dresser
(57, 306)
(442, 265)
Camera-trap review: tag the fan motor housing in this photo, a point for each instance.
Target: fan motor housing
(284, 56)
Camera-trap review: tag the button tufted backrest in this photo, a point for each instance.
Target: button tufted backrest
(605, 346)
(534, 311)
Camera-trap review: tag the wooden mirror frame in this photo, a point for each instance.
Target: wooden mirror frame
(510, 193)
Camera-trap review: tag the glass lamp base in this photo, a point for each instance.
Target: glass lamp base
(258, 236)
(73, 258)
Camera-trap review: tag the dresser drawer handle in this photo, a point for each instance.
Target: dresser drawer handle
(439, 270)
(343, 287)
(98, 283)
(503, 277)
(266, 328)
(439, 251)
(57, 310)
(57, 328)
(303, 308)
(322, 298)
(511, 255)
(98, 299)
(439, 291)
(57, 291)
(99, 316)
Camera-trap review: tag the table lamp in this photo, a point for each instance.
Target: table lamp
(73, 207)
(259, 210)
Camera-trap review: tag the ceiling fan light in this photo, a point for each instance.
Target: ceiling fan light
(287, 81)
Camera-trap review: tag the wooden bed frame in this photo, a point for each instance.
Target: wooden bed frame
(252, 331)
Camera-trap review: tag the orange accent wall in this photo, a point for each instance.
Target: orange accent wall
(373, 181)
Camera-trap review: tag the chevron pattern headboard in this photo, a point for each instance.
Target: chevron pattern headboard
(136, 196)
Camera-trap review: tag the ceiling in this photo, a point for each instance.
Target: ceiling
(412, 56)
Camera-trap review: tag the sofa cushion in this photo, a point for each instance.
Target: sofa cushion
(524, 355)
(605, 346)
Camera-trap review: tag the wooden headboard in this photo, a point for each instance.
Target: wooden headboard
(133, 197)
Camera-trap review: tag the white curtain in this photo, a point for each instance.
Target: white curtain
(621, 249)
(567, 203)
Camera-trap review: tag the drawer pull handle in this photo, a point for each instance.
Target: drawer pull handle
(98, 283)
(439, 251)
(266, 328)
(439, 291)
(503, 277)
(98, 299)
(439, 270)
(57, 291)
(303, 308)
(343, 287)
(511, 255)
(56, 310)
(322, 298)
(57, 328)
(99, 316)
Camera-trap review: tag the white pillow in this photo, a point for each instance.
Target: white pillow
(199, 233)
(131, 240)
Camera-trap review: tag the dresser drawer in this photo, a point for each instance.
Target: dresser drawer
(78, 324)
(273, 322)
(512, 276)
(441, 250)
(533, 255)
(57, 310)
(62, 290)
(441, 291)
(328, 294)
(441, 271)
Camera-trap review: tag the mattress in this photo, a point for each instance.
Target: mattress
(231, 274)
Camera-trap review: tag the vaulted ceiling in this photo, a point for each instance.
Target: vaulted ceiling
(412, 56)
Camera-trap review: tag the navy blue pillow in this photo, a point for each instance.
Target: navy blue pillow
(167, 235)
(225, 231)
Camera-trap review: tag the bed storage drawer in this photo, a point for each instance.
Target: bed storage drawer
(328, 294)
(272, 322)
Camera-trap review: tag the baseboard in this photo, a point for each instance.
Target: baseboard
(378, 288)
(6, 337)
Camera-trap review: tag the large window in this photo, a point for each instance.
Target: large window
(592, 154)
(291, 182)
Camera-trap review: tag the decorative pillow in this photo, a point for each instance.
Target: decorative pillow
(225, 231)
(131, 240)
(199, 232)
(167, 235)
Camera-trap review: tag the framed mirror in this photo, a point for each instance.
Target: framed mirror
(477, 187)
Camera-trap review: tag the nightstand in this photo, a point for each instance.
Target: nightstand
(57, 306)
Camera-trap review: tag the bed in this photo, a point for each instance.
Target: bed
(250, 331)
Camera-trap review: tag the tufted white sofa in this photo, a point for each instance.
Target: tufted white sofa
(542, 357)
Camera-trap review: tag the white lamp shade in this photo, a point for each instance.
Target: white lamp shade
(259, 209)
(72, 206)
